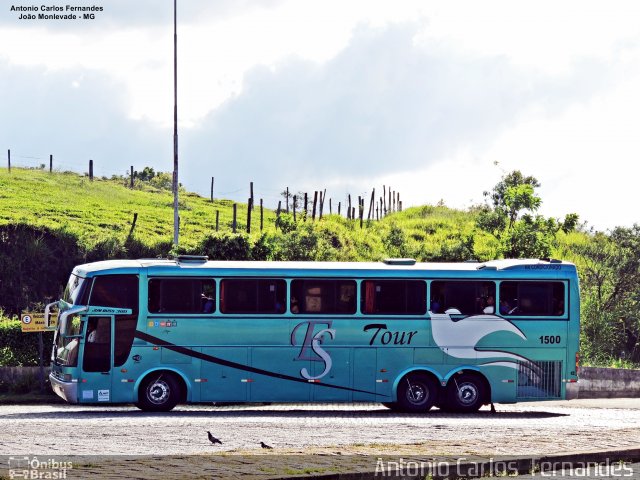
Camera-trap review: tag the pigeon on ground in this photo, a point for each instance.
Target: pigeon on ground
(213, 439)
(264, 445)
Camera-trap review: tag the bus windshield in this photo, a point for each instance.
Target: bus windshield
(67, 342)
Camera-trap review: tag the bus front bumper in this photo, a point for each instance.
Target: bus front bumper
(65, 390)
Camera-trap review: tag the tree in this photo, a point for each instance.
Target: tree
(511, 218)
(610, 287)
(514, 193)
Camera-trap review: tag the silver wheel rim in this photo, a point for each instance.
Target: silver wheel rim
(417, 393)
(158, 392)
(467, 393)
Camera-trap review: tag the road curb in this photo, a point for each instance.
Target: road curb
(410, 468)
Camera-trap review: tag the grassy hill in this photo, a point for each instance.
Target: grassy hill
(102, 210)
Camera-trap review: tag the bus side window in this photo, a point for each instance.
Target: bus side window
(253, 295)
(393, 297)
(463, 297)
(536, 299)
(182, 295)
(323, 296)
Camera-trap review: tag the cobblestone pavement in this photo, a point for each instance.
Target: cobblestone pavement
(316, 430)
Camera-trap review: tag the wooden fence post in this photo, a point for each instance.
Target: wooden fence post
(212, 180)
(50, 163)
(390, 208)
(330, 209)
(9, 159)
(278, 212)
(261, 215)
(339, 204)
(306, 206)
(91, 170)
(133, 226)
(217, 220)
(295, 199)
(251, 192)
(249, 208)
(321, 203)
(323, 196)
(373, 194)
(286, 199)
(361, 207)
(235, 212)
(384, 199)
(349, 207)
(131, 176)
(315, 203)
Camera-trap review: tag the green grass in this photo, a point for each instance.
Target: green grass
(103, 209)
(100, 209)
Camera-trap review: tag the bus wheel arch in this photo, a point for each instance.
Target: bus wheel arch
(160, 391)
(417, 391)
(466, 391)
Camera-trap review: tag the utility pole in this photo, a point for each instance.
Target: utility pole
(176, 217)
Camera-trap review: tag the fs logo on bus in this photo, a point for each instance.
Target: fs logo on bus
(313, 340)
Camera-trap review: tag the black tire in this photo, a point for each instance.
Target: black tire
(159, 392)
(465, 393)
(417, 392)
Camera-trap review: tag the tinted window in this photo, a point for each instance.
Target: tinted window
(394, 297)
(532, 298)
(119, 291)
(253, 296)
(97, 347)
(327, 297)
(182, 295)
(467, 298)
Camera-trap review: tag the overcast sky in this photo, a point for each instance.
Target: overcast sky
(437, 99)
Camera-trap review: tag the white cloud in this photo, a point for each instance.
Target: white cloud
(420, 95)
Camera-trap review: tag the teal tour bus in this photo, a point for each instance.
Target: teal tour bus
(406, 334)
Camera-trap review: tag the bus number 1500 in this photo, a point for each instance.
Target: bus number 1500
(549, 339)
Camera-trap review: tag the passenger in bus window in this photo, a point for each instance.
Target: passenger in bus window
(294, 305)
(504, 307)
(490, 305)
(91, 333)
(208, 305)
(435, 305)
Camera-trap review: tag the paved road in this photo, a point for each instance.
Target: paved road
(525, 428)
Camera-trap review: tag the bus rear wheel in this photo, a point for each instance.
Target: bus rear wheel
(159, 392)
(465, 393)
(417, 392)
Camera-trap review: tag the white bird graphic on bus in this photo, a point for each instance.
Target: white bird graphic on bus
(458, 338)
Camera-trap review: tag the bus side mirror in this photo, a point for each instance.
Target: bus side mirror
(47, 314)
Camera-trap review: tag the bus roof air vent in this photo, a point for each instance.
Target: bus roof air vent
(399, 261)
(551, 260)
(484, 266)
(192, 258)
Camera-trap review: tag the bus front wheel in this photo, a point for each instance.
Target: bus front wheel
(417, 392)
(465, 393)
(159, 392)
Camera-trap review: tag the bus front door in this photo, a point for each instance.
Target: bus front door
(96, 376)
